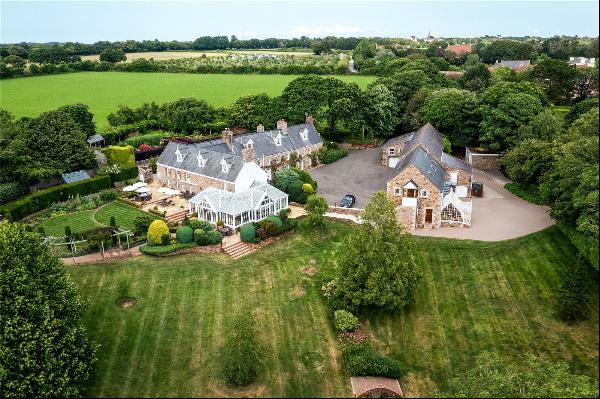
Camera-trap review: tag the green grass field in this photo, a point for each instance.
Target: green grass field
(104, 91)
(86, 220)
(474, 296)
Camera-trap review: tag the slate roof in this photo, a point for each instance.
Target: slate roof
(454, 162)
(72, 177)
(96, 138)
(263, 144)
(429, 139)
(211, 168)
(239, 202)
(513, 64)
(398, 140)
(425, 163)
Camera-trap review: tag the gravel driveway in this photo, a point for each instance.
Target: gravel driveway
(360, 174)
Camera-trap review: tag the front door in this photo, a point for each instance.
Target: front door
(428, 215)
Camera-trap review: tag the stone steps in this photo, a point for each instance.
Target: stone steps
(177, 216)
(238, 250)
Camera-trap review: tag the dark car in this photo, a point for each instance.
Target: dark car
(348, 201)
(477, 189)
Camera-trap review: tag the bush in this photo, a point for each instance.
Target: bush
(248, 233)
(113, 222)
(529, 194)
(330, 155)
(361, 360)
(123, 156)
(150, 139)
(196, 224)
(156, 231)
(345, 321)
(267, 229)
(42, 199)
(184, 235)
(283, 215)
(200, 237)
(305, 177)
(142, 223)
(41, 231)
(241, 351)
(108, 195)
(214, 237)
(11, 191)
(296, 194)
(125, 173)
(276, 221)
(158, 250)
(572, 300)
(308, 189)
(165, 239)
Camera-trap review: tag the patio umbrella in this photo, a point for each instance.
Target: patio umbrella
(129, 188)
(139, 184)
(164, 190)
(143, 190)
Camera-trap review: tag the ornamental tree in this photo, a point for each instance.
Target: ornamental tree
(44, 349)
(376, 266)
(316, 206)
(156, 231)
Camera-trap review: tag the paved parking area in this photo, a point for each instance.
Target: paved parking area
(360, 174)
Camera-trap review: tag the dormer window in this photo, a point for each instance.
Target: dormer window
(277, 139)
(179, 155)
(249, 144)
(224, 166)
(304, 134)
(201, 161)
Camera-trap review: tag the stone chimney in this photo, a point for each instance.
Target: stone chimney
(248, 153)
(310, 119)
(228, 137)
(282, 125)
(260, 128)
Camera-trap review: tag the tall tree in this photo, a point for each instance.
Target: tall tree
(187, 114)
(376, 266)
(530, 377)
(380, 110)
(44, 349)
(249, 111)
(454, 113)
(557, 77)
(476, 78)
(81, 114)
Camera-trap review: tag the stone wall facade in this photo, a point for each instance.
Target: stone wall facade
(187, 181)
(281, 159)
(406, 216)
(430, 199)
(462, 179)
(482, 161)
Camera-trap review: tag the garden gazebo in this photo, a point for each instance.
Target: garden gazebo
(237, 209)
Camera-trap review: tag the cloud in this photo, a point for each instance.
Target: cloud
(336, 29)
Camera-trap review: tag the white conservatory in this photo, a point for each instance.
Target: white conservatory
(239, 208)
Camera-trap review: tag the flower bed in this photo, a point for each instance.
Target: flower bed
(179, 249)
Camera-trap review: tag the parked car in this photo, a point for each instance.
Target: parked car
(348, 201)
(477, 189)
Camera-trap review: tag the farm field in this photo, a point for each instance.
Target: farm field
(86, 220)
(174, 55)
(104, 91)
(474, 296)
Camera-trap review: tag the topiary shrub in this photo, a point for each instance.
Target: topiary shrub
(308, 189)
(276, 221)
(345, 321)
(196, 224)
(200, 237)
(156, 231)
(184, 234)
(68, 231)
(248, 233)
(119, 155)
(41, 230)
(165, 239)
(214, 237)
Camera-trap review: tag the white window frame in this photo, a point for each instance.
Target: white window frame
(424, 193)
(392, 151)
(397, 192)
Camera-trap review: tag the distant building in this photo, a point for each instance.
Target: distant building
(459, 49)
(379, 46)
(515, 65)
(582, 62)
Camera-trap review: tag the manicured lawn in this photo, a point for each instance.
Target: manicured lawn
(474, 296)
(79, 222)
(104, 91)
(86, 220)
(124, 214)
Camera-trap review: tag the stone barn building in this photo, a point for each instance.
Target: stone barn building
(429, 187)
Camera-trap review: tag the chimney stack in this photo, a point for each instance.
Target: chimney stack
(228, 137)
(282, 125)
(248, 153)
(260, 128)
(310, 119)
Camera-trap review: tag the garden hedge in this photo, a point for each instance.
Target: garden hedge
(184, 234)
(247, 233)
(158, 250)
(42, 199)
(119, 155)
(126, 173)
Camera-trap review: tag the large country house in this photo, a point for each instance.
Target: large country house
(429, 187)
(229, 176)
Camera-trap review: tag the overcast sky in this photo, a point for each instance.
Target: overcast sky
(90, 21)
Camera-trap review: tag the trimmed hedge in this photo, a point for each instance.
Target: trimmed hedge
(184, 235)
(345, 321)
(361, 360)
(119, 155)
(331, 155)
(247, 233)
(11, 191)
(587, 246)
(158, 250)
(42, 199)
(126, 173)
